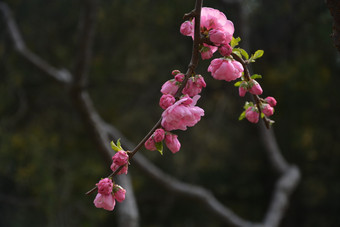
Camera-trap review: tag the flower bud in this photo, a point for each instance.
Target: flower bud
(105, 186)
(150, 144)
(119, 193)
(254, 87)
(223, 69)
(179, 77)
(120, 158)
(267, 110)
(172, 142)
(271, 101)
(187, 28)
(166, 101)
(175, 72)
(158, 135)
(169, 87)
(252, 115)
(242, 89)
(225, 50)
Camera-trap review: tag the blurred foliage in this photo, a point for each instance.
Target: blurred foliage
(137, 45)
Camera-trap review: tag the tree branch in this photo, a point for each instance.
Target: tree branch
(82, 101)
(60, 75)
(86, 36)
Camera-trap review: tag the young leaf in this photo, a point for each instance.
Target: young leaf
(256, 76)
(258, 54)
(242, 116)
(114, 146)
(234, 42)
(117, 147)
(238, 83)
(244, 53)
(237, 52)
(159, 147)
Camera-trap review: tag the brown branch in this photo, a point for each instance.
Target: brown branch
(247, 78)
(334, 8)
(191, 69)
(86, 37)
(83, 104)
(60, 75)
(179, 188)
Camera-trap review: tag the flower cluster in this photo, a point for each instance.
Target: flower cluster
(177, 115)
(155, 141)
(108, 193)
(216, 33)
(216, 28)
(121, 158)
(181, 93)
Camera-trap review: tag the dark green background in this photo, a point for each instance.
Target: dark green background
(48, 160)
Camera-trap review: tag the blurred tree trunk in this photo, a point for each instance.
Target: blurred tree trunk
(334, 8)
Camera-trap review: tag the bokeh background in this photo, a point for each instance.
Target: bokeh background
(48, 160)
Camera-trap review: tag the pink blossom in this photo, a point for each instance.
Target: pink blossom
(252, 115)
(224, 69)
(225, 50)
(179, 77)
(214, 19)
(254, 87)
(194, 86)
(271, 101)
(170, 87)
(120, 158)
(242, 89)
(175, 72)
(267, 110)
(166, 101)
(105, 201)
(120, 193)
(187, 28)
(182, 114)
(207, 52)
(124, 170)
(150, 144)
(172, 142)
(158, 135)
(218, 37)
(105, 186)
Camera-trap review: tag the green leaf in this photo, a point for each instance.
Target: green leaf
(237, 52)
(117, 147)
(159, 147)
(234, 42)
(262, 115)
(256, 76)
(238, 83)
(258, 54)
(242, 116)
(244, 53)
(114, 146)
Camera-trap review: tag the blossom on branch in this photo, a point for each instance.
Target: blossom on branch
(194, 86)
(172, 142)
(182, 114)
(166, 101)
(170, 87)
(105, 198)
(225, 69)
(252, 114)
(121, 158)
(215, 26)
(271, 101)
